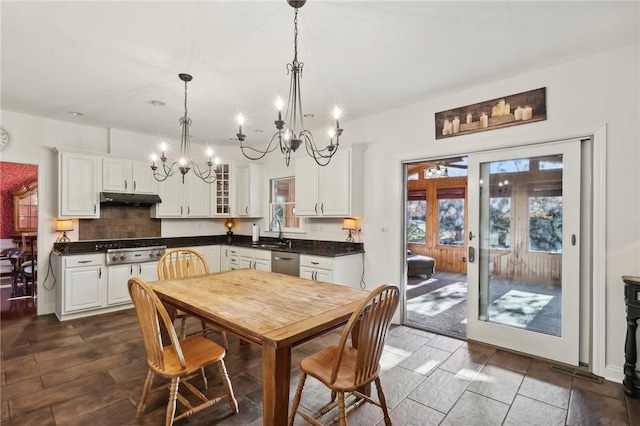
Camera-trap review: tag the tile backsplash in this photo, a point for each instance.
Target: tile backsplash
(120, 222)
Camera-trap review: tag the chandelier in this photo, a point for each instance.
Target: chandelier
(437, 172)
(184, 163)
(290, 133)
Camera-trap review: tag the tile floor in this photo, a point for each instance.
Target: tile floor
(90, 371)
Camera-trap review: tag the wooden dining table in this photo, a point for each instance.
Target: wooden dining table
(274, 311)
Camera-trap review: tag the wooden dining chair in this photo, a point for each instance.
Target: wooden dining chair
(344, 368)
(29, 267)
(179, 361)
(182, 263)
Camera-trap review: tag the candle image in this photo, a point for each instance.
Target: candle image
(518, 113)
(456, 124)
(469, 118)
(484, 121)
(527, 113)
(446, 128)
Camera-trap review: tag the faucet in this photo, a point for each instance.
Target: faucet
(280, 235)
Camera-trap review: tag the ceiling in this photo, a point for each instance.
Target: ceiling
(109, 60)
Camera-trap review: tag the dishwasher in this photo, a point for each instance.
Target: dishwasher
(284, 262)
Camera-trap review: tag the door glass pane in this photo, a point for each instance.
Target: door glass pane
(451, 216)
(520, 256)
(417, 216)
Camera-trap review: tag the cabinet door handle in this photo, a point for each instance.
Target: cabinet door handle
(188, 210)
(140, 269)
(180, 210)
(134, 185)
(131, 270)
(322, 208)
(99, 272)
(246, 210)
(316, 208)
(85, 261)
(125, 185)
(94, 208)
(315, 263)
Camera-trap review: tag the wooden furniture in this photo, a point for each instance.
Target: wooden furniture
(180, 360)
(271, 310)
(25, 208)
(420, 265)
(29, 264)
(182, 263)
(344, 368)
(631, 383)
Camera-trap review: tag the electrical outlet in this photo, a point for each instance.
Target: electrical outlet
(52, 228)
(384, 229)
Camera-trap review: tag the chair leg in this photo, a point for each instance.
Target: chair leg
(145, 392)
(171, 406)
(296, 398)
(342, 416)
(225, 342)
(233, 403)
(383, 402)
(183, 328)
(205, 383)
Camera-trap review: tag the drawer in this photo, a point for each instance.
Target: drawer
(84, 260)
(262, 254)
(316, 261)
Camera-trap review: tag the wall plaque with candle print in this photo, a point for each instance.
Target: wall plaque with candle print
(507, 111)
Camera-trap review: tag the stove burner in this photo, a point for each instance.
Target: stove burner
(127, 244)
(134, 254)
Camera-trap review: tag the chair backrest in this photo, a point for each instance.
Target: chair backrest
(370, 321)
(181, 263)
(150, 312)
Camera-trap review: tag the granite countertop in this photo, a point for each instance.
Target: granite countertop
(311, 247)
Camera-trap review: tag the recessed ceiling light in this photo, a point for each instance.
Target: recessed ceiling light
(75, 113)
(233, 139)
(309, 116)
(157, 103)
(257, 131)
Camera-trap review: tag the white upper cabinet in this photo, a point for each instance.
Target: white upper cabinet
(222, 191)
(183, 200)
(334, 190)
(249, 190)
(78, 185)
(130, 176)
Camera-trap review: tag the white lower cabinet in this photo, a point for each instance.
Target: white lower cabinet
(86, 286)
(254, 259)
(228, 258)
(344, 270)
(211, 255)
(119, 275)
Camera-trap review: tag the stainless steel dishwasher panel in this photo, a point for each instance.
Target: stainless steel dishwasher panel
(284, 262)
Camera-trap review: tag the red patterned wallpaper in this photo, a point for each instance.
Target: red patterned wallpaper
(12, 177)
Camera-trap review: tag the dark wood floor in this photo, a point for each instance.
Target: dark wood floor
(90, 371)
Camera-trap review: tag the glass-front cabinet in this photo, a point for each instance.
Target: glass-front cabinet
(221, 199)
(25, 208)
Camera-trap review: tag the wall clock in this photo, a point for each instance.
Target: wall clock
(4, 139)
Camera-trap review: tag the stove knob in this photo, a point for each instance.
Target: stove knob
(123, 256)
(114, 257)
(151, 254)
(159, 254)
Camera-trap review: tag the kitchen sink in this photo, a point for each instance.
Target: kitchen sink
(274, 246)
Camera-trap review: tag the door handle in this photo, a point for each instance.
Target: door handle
(471, 235)
(472, 254)
(573, 239)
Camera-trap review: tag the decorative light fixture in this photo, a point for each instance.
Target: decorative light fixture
(229, 224)
(291, 133)
(350, 224)
(437, 172)
(184, 163)
(64, 225)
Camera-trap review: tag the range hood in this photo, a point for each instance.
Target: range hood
(119, 199)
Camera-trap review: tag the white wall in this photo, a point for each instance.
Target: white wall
(582, 96)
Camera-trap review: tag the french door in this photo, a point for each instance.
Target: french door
(523, 249)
